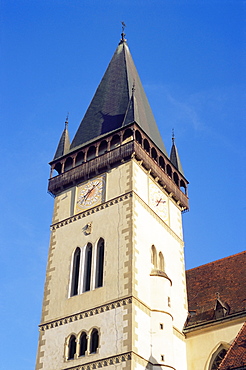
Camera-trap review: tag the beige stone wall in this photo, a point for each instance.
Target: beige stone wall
(201, 344)
(130, 306)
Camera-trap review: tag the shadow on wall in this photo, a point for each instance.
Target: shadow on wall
(153, 364)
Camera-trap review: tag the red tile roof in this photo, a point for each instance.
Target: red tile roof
(236, 355)
(218, 284)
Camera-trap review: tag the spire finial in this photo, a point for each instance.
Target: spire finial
(173, 137)
(66, 122)
(123, 34)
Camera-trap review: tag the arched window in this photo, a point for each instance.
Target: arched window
(161, 262)
(176, 178)
(75, 272)
(139, 137)
(68, 164)
(146, 145)
(87, 269)
(153, 256)
(99, 263)
(94, 341)
(79, 158)
(183, 186)
(162, 162)
(218, 359)
(71, 347)
(154, 154)
(115, 142)
(91, 153)
(82, 344)
(128, 136)
(103, 147)
(169, 170)
(58, 168)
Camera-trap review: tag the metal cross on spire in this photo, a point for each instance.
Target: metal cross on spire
(123, 29)
(66, 122)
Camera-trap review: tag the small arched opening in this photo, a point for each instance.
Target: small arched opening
(153, 257)
(154, 154)
(71, 347)
(169, 170)
(161, 262)
(146, 145)
(94, 341)
(58, 168)
(115, 142)
(127, 136)
(79, 158)
(183, 187)
(103, 147)
(162, 162)
(91, 153)
(68, 164)
(176, 178)
(82, 344)
(138, 137)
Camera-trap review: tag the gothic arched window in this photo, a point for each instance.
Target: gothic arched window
(161, 262)
(71, 347)
(99, 263)
(87, 267)
(218, 359)
(75, 272)
(153, 256)
(83, 344)
(94, 341)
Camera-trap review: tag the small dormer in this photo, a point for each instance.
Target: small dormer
(221, 309)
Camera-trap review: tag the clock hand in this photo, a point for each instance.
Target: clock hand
(89, 191)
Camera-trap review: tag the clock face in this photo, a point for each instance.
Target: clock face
(90, 194)
(158, 201)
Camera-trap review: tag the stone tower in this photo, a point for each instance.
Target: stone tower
(115, 292)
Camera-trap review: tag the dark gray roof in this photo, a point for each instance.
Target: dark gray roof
(174, 158)
(64, 144)
(119, 100)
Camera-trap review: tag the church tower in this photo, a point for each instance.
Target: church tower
(115, 292)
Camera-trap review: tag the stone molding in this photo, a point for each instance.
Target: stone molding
(85, 314)
(89, 212)
(107, 204)
(102, 363)
(95, 311)
(114, 360)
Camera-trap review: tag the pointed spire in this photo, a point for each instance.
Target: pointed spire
(115, 104)
(64, 143)
(174, 156)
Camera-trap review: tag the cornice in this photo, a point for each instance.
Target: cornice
(91, 211)
(113, 360)
(84, 314)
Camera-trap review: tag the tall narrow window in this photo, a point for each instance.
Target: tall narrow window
(94, 341)
(87, 271)
(153, 256)
(71, 347)
(161, 262)
(100, 262)
(75, 273)
(83, 344)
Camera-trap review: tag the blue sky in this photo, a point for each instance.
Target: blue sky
(189, 55)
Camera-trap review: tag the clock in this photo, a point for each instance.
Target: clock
(91, 193)
(158, 201)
